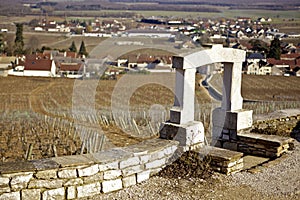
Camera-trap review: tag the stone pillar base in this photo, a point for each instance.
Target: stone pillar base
(188, 135)
(226, 124)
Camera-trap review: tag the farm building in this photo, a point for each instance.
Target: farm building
(34, 65)
(71, 70)
(149, 33)
(143, 61)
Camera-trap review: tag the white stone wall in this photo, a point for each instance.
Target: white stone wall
(73, 177)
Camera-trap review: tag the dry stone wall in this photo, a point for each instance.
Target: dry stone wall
(269, 146)
(73, 177)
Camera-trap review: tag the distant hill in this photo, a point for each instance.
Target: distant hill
(233, 4)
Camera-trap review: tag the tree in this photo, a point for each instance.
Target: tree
(275, 50)
(19, 40)
(73, 48)
(33, 44)
(259, 45)
(82, 49)
(2, 44)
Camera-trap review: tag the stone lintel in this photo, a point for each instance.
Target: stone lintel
(217, 54)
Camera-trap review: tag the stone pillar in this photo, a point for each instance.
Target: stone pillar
(231, 118)
(232, 80)
(183, 109)
(182, 126)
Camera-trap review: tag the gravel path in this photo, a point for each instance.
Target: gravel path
(280, 179)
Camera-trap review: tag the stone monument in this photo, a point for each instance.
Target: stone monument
(228, 119)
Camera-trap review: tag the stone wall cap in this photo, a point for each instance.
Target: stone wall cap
(110, 155)
(74, 160)
(45, 164)
(14, 167)
(277, 140)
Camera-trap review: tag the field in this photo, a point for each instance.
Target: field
(56, 40)
(51, 117)
(54, 117)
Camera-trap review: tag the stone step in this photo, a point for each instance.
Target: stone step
(253, 161)
(269, 146)
(222, 160)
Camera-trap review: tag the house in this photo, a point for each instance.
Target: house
(6, 64)
(257, 64)
(290, 56)
(285, 66)
(38, 28)
(34, 66)
(145, 61)
(71, 70)
(149, 33)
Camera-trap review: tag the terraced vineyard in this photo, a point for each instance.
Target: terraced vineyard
(45, 117)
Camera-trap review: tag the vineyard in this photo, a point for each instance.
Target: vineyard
(46, 117)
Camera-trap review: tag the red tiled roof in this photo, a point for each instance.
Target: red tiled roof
(145, 59)
(273, 61)
(71, 67)
(290, 56)
(71, 54)
(40, 65)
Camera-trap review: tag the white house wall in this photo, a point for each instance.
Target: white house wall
(37, 73)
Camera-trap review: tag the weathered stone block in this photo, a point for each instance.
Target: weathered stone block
(74, 160)
(10, 196)
(157, 155)
(92, 179)
(67, 173)
(49, 184)
(108, 166)
(47, 174)
(75, 181)
(110, 155)
(88, 171)
(111, 174)
(112, 185)
(187, 134)
(71, 192)
(170, 150)
(132, 170)
(145, 158)
(143, 176)
(4, 181)
(31, 194)
(20, 182)
(129, 181)
(129, 162)
(88, 190)
(55, 194)
(155, 164)
(232, 120)
(4, 189)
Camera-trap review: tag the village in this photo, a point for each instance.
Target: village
(253, 36)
